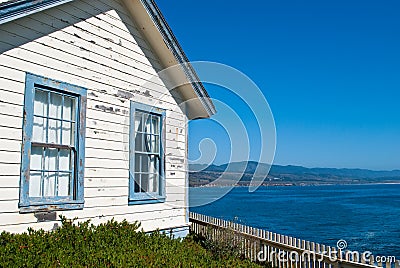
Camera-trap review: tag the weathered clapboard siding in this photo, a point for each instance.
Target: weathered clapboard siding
(113, 93)
(121, 106)
(147, 225)
(11, 194)
(10, 133)
(11, 115)
(24, 32)
(102, 214)
(9, 181)
(98, 47)
(73, 18)
(48, 41)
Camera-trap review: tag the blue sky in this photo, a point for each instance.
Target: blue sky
(330, 71)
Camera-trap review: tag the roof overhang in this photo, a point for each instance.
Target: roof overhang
(195, 102)
(14, 9)
(153, 26)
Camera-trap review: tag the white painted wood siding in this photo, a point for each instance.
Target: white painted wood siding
(93, 44)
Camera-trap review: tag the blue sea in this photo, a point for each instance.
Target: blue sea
(366, 216)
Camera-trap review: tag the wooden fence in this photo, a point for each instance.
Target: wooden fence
(280, 250)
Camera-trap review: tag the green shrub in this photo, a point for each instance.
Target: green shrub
(111, 244)
(222, 247)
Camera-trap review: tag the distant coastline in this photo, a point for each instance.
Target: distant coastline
(295, 185)
(242, 173)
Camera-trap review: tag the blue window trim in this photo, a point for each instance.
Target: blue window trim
(26, 203)
(145, 198)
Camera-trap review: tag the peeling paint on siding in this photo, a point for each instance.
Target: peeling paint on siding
(124, 94)
(107, 109)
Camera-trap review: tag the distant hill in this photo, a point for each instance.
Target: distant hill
(285, 175)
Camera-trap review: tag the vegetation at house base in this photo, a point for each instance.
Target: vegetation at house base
(223, 247)
(112, 244)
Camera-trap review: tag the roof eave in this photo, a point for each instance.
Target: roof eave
(12, 10)
(163, 41)
(179, 54)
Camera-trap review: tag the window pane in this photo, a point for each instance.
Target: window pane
(69, 108)
(138, 157)
(137, 183)
(63, 184)
(144, 183)
(155, 122)
(39, 129)
(154, 164)
(155, 146)
(35, 184)
(147, 143)
(55, 105)
(68, 130)
(49, 184)
(147, 126)
(144, 167)
(139, 142)
(54, 134)
(65, 160)
(36, 158)
(50, 159)
(153, 183)
(40, 103)
(138, 121)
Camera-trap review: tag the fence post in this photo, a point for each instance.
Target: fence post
(397, 264)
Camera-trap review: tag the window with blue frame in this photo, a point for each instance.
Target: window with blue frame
(53, 145)
(147, 182)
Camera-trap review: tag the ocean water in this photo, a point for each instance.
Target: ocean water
(366, 216)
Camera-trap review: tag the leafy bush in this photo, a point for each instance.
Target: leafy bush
(111, 244)
(223, 246)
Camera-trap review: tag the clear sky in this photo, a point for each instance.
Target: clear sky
(330, 71)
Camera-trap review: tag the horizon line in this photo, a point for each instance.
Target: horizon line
(302, 166)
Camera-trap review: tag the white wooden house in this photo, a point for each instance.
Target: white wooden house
(88, 128)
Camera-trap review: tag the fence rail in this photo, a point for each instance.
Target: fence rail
(280, 250)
